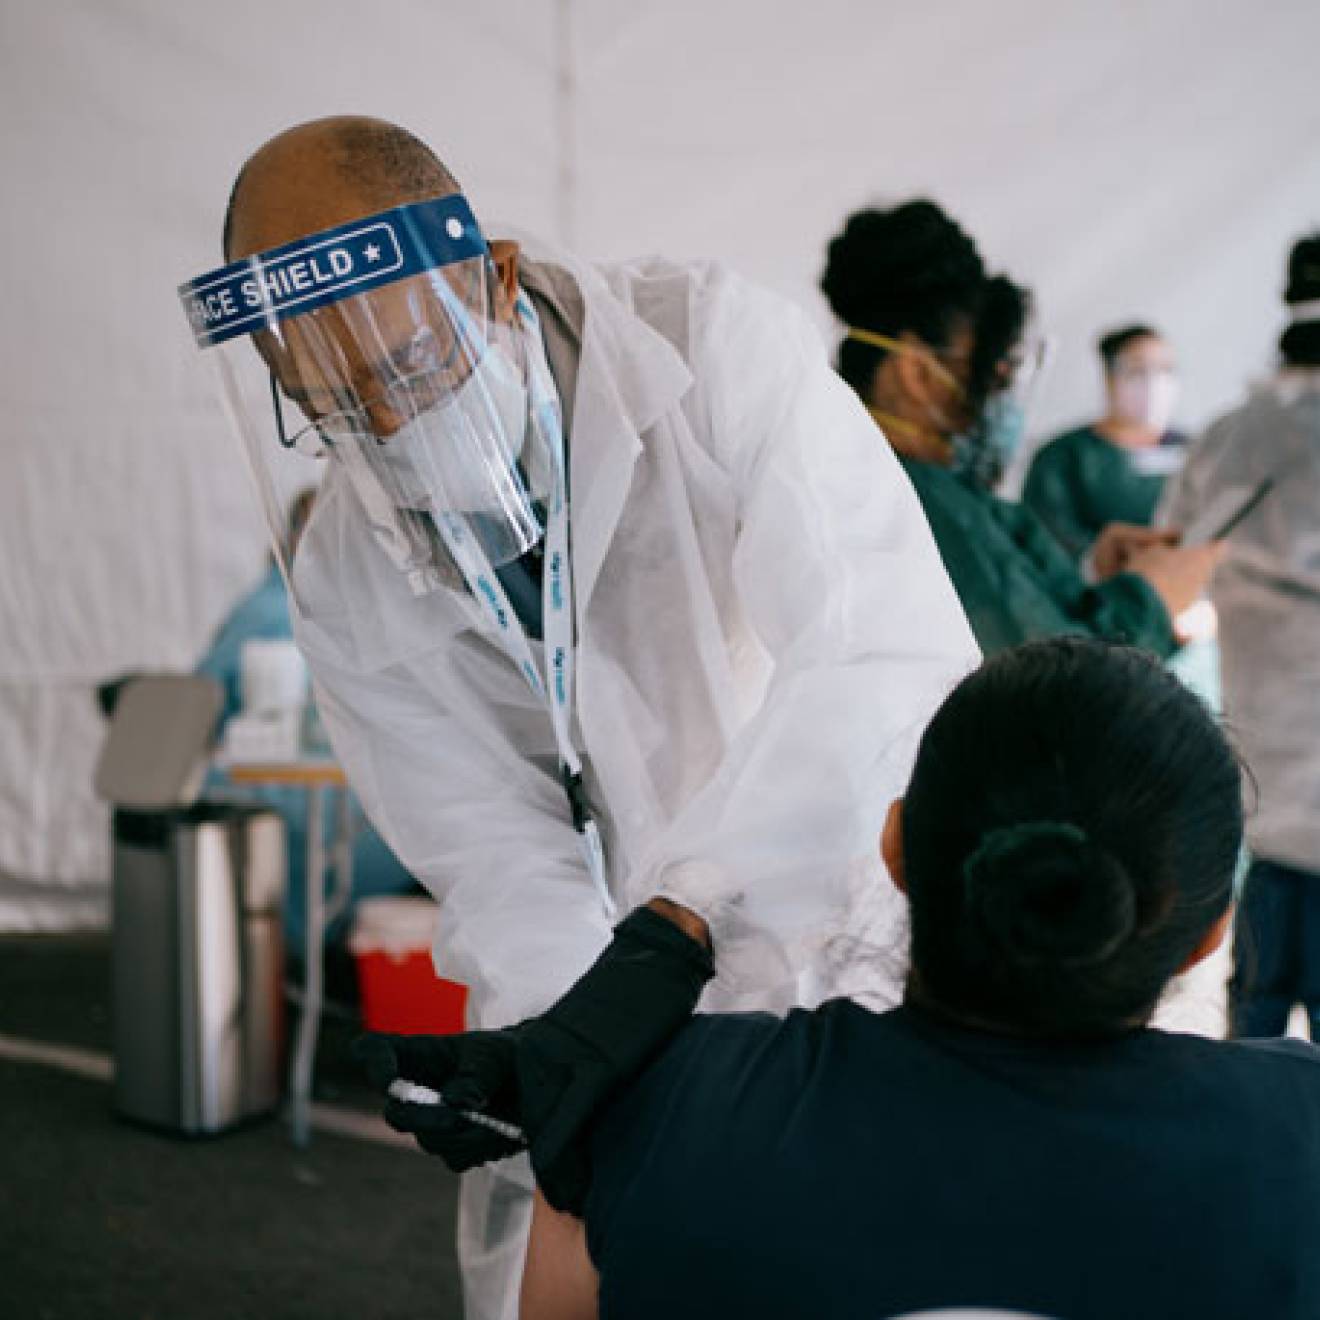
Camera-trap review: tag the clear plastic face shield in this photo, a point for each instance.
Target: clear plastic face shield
(1009, 359)
(988, 449)
(391, 348)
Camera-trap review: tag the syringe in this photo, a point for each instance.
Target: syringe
(414, 1093)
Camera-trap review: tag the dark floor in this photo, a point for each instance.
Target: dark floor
(101, 1219)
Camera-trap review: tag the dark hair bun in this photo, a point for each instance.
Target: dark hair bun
(889, 261)
(1043, 894)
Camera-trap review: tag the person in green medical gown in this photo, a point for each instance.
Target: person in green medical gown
(1115, 469)
(936, 348)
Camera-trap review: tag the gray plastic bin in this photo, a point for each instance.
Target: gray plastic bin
(197, 904)
(198, 965)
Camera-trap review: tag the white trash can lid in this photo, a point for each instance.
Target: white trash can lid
(393, 924)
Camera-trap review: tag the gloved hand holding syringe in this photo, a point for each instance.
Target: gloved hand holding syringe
(481, 1096)
(414, 1093)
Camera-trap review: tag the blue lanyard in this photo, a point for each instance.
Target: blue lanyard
(556, 689)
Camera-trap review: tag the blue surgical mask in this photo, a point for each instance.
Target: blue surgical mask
(986, 452)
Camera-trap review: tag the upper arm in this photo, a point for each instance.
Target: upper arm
(559, 1280)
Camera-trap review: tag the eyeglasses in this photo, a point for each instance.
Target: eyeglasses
(1029, 359)
(404, 399)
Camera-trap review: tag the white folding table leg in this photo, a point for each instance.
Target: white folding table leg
(309, 1020)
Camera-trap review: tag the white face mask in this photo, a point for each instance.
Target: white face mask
(462, 456)
(1146, 399)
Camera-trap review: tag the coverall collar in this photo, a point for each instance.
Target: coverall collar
(616, 377)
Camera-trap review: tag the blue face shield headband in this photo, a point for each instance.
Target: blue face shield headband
(348, 261)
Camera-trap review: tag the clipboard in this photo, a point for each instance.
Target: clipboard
(1218, 522)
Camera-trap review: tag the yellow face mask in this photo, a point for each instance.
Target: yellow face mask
(906, 346)
(899, 425)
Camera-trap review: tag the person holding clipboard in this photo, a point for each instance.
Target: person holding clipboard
(1258, 469)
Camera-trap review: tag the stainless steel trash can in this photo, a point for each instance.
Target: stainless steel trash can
(197, 907)
(198, 965)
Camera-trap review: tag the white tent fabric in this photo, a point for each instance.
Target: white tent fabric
(1125, 159)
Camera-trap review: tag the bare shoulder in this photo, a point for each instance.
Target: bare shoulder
(559, 1280)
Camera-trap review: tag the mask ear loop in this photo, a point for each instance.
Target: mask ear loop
(892, 345)
(888, 421)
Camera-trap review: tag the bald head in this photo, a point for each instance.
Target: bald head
(326, 173)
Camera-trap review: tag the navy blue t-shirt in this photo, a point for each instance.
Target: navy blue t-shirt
(843, 1163)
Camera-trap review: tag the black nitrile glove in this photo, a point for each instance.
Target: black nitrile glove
(551, 1074)
(585, 1048)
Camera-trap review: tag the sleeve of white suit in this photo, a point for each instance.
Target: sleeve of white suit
(518, 917)
(839, 576)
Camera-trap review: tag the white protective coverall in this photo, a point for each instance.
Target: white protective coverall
(1267, 594)
(764, 628)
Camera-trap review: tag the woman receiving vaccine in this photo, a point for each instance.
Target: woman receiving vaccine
(1015, 1134)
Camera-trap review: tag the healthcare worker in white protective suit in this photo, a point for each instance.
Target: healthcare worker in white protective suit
(610, 594)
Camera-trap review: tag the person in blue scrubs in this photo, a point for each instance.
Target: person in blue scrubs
(263, 614)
